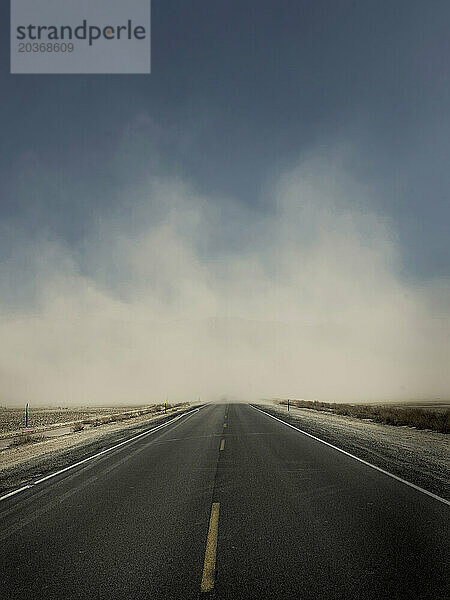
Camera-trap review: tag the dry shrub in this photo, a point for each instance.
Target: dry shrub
(421, 418)
(26, 438)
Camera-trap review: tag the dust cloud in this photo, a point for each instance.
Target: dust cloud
(184, 296)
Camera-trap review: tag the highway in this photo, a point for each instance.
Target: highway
(224, 502)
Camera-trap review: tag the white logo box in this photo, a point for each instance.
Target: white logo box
(80, 36)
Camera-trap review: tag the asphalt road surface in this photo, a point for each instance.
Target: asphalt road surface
(224, 502)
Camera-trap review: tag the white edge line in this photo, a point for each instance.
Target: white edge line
(368, 464)
(25, 487)
(85, 460)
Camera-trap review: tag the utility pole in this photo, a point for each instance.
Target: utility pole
(288, 404)
(27, 410)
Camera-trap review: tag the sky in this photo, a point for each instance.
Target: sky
(265, 215)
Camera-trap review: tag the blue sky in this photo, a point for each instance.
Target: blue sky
(240, 94)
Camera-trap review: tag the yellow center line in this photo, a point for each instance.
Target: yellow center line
(222, 445)
(209, 566)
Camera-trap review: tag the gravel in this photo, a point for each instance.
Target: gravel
(419, 456)
(22, 464)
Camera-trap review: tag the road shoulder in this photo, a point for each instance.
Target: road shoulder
(19, 465)
(421, 457)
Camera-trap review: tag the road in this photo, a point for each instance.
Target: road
(225, 502)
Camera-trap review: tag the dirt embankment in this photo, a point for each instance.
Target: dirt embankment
(41, 418)
(419, 456)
